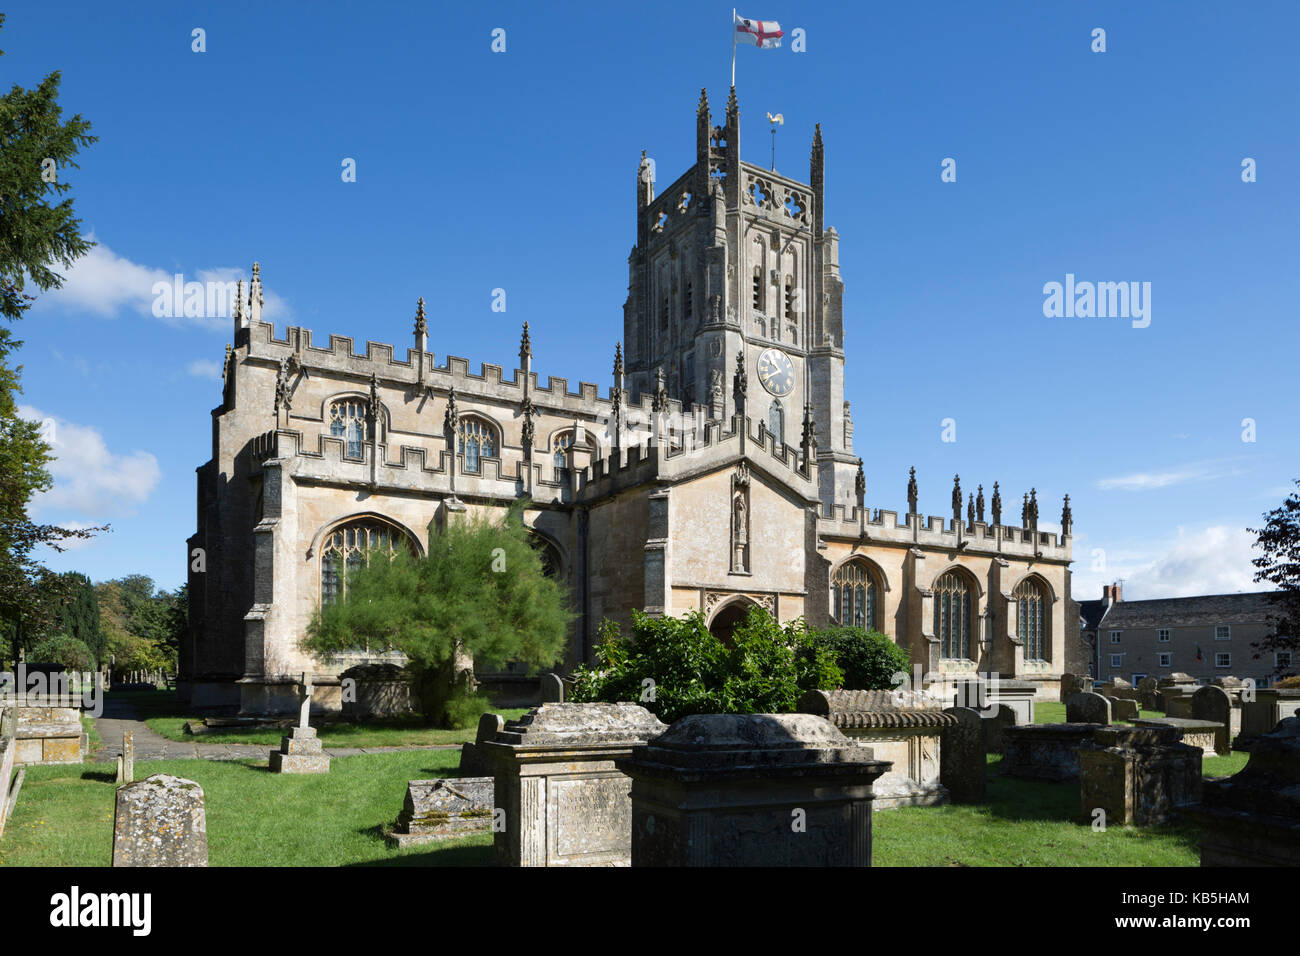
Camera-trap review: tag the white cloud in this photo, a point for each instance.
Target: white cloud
(106, 284)
(205, 368)
(90, 480)
(1213, 560)
(1149, 480)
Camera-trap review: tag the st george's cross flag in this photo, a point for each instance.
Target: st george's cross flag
(764, 34)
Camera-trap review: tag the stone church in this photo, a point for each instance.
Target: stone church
(716, 471)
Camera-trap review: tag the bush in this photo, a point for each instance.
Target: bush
(1288, 682)
(61, 649)
(674, 667)
(869, 659)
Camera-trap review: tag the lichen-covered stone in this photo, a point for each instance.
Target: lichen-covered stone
(1088, 708)
(160, 821)
(1139, 776)
(437, 809)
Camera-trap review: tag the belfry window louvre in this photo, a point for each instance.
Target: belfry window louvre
(1030, 618)
(477, 441)
(854, 596)
(349, 418)
(952, 613)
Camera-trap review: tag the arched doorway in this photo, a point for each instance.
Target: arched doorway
(729, 615)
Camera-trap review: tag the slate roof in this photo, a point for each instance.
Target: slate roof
(1091, 612)
(1201, 611)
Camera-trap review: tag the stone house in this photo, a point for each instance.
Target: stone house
(715, 472)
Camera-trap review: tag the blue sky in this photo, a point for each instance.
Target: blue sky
(478, 170)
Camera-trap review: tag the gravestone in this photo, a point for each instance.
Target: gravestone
(1200, 734)
(1253, 818)
(438, 809)
(1087, 708)
(552, 689)
(160, 821)
(1140, 776)
(1046, 751)
(1175, 693)
(1147, 693)
(301, 752)
(962, 756)
(1259, 716)
(751, 790)
(1123, 708)
(126, 762)
(1072, 684)
(379, 690)
(474, 760)
(1213, 703)
(995, 726)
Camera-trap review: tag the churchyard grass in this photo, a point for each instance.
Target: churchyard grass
(1053, 712)
(88, 725)
(64, 815)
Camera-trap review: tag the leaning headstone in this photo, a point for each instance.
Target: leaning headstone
(1123, 709)
(126, 762)
(1089, 708)
(1139, 776)
(438, 809)
(1213, 703)
(474, 760)
(963, 760)
(1147, 693)
(565, 800)
(751, 790)
(160, 821)
(552, 689)
(301, 752)
(1253, 818)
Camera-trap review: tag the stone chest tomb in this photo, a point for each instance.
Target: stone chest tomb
(1140, 776)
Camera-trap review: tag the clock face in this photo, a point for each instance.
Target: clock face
(776, 372)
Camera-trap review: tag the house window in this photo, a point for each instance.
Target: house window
(854, 596)
(1162, 635)
(1114, 636)
(1222, 659)
(1117, 660)
(1165, 659)
(1223, 633)
(776, 422)
(952, 613)
(1030, 618)
(348, 418)
(477, 441)
(1282, 659)
(351, 546)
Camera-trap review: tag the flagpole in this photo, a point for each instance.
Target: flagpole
(733, 46)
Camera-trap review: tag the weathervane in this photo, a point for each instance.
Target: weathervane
(777, 120)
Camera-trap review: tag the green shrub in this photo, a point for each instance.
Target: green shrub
(463, 708)
(868, 659)
(674, 667)
(61, 649)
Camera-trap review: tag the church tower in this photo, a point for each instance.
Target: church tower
(733, 267)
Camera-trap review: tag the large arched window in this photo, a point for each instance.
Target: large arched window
(478, 440)
(855, 596)
(352, 545)
(776, 421)
(1031, 618)
(348, 421)
(952, 616)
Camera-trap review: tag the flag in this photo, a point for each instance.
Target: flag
(764, 34)
(1198, 653)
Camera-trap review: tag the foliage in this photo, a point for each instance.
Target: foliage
(63, 649)
(1279, 565)
(481, 591)
(140, 626)
(77, 614)
(1287, 683)
(869, 659)
(674, 666)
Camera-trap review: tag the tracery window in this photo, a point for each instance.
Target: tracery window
(562, 443)
(1031, 618)
(348, 421)
(855, 596)
(478, 440)
(952, 616)
(350, 546)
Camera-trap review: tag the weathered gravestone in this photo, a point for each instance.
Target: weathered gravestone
(1123, 709)
(1200, 734)
(1175, 694)
(1253, 818)
(1087, 708)
(126, 762)
(552, 689)
(1139, 776)
(437, 809)
(1045, 751)
(474, 760)
(751, 790)
(375, 690)
(1147, 693)
(160, 821)
(1072, 684)
(1270, 707)
(1213, 703)
(565, 801)
(301, 752)
(995, 726)
(962, 756)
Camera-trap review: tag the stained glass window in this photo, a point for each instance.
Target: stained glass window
(952, 614)
(854, 596)
(350, 546)
(1030, 618)
(477, 441)
(348, 418)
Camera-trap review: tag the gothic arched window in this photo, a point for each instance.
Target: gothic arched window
(348, 421)
(855, 596)
(952, 616)
(1031, 618)
(478, 440)
(562, 443)
(789, 298)
(350, 546)
(758, 288)
(776, 421)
